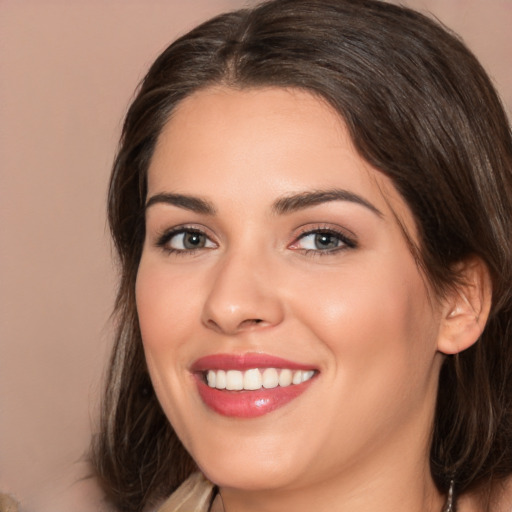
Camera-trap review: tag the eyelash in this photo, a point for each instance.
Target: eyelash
(164, 239)
(345, 241)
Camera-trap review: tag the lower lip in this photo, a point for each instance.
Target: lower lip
(249, 404)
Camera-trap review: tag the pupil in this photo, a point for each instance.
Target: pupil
(326, 241)
(193, 240)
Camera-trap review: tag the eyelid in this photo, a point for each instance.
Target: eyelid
(348, 239)
(166, 235)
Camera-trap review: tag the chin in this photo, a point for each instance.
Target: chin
(257, 464)
(248, 476)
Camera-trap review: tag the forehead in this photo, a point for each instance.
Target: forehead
(269, 141)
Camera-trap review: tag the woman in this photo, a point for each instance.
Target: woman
(312, 208)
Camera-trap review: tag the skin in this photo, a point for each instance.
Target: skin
(358, 438)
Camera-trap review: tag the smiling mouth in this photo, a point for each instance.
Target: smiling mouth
(250, 385)
(254, 379)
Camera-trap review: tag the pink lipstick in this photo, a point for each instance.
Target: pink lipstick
(249, 385)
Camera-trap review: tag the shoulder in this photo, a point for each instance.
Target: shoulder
(7, 504)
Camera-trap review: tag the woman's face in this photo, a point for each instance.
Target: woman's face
(273, 261)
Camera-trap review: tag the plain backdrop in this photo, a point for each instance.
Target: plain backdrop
(68, 69)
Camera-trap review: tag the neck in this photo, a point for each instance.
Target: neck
(410, 496)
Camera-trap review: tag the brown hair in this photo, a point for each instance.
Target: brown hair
(419, 108)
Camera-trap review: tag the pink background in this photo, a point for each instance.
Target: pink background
(68, 69)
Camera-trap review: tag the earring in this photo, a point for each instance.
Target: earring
(448, 507)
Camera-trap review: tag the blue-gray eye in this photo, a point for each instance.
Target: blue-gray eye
(189, 240)
(320, 241)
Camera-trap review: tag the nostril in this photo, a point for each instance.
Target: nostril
(250, 322)
(244, 325)
(213, 325)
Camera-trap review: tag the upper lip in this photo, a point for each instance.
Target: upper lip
(245, 362)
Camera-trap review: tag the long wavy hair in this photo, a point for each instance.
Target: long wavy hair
(419, 108)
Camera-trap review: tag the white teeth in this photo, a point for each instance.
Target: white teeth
(285, 378)
(220, 380)
(270, 378)
(255, 378)
(252, 379)
(307, 375)
(234, 380)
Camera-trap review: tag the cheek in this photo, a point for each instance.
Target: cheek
(372, 318)
(165, 318)
(167, 315)
(164, 306)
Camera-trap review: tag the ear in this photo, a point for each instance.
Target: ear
(465, 308)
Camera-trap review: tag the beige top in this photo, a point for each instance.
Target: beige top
(193, 495)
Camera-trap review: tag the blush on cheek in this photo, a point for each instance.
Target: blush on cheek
(156, 305)
(382, 313)
(168, 318)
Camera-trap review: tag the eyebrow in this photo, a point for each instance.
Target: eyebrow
(282, 206)
(303, 200)
(194, 204)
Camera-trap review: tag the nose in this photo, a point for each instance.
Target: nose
(242, 297)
